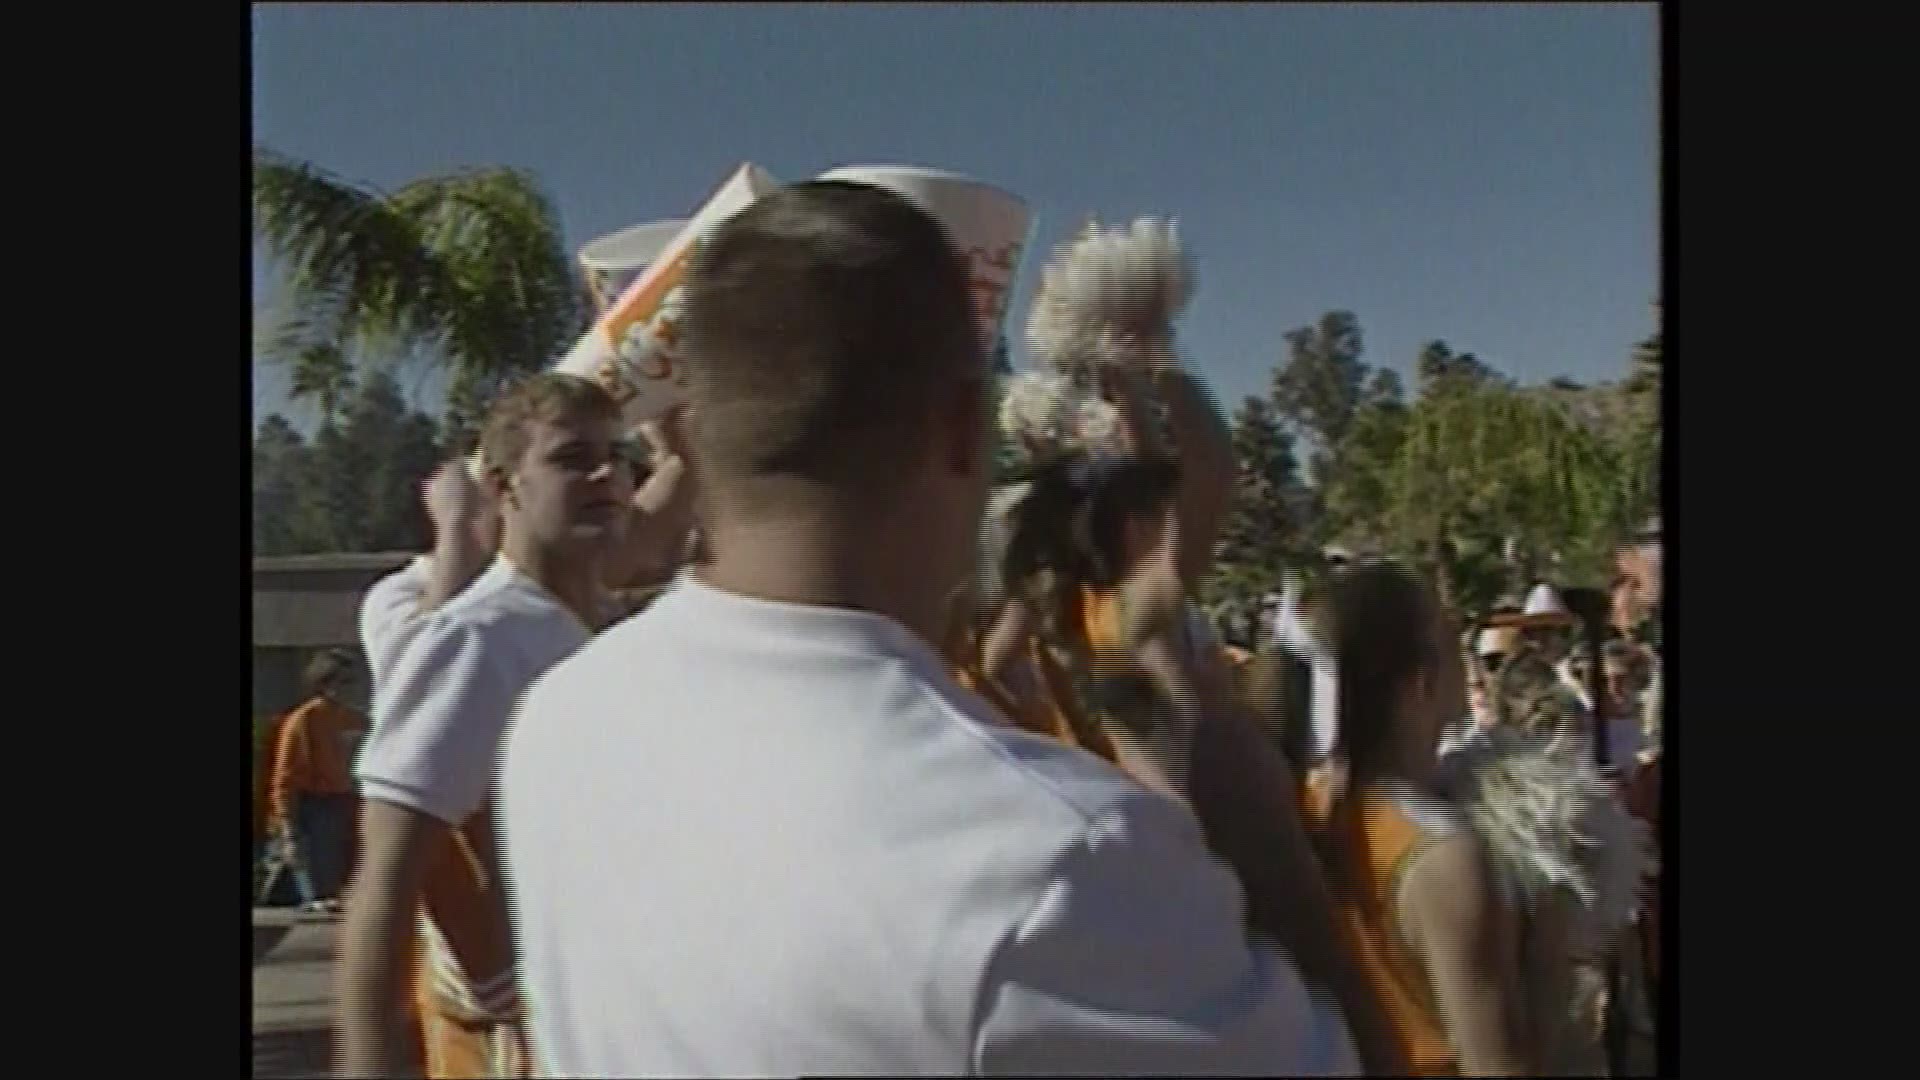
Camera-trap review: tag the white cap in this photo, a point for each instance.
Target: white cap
(1545, 600)
(1496, 639)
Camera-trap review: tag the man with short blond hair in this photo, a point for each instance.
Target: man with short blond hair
(554, 470)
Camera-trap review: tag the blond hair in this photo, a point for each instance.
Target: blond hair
(549, 396)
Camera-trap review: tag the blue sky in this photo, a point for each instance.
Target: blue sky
(1486, 175)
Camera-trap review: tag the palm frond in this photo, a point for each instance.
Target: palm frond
(345, 248)
(498, 236)
(473, 261)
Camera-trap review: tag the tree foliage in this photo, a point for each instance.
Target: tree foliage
(354, 487)
(324, 375)
(1447, 480)
(472, 264)
(1264, 530)
(1318, 389)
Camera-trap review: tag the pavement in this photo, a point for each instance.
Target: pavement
(293, 978)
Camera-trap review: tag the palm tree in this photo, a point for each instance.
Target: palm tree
(472, 262)
(323, 373)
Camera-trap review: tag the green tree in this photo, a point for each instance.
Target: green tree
(469, 395)
(354, 487)
(1439, 369)
(393, 448)
(1319, 387)
(280, 475)
(333, 506)
(472, 263)
(1263, 530)
(1445, 480)
(1356, 497)
(322, 374)
(1483, 463)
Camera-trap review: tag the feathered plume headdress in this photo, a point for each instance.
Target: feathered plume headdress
(1111, 297)
(1552, 824)
(1558, 838)
(1051, 415)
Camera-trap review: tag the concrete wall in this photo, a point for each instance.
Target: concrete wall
(303, 604)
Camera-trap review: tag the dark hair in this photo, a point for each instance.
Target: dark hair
(1280, 691)
(326, 671)
(1070, 529)
(1383, 628)
(1069, 532)
(821, 323)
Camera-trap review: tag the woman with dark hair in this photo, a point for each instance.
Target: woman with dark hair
(1421, 908)
(1125, 456)
(1489, 893)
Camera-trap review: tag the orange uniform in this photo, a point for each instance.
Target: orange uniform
(1383, 841)
(313, 754)
(1051, 712)
(467, 1001)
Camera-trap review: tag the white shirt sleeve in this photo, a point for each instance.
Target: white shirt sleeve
(438, 722)
(1136, 961)
(389, 616)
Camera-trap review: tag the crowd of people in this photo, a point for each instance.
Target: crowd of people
(785, 741)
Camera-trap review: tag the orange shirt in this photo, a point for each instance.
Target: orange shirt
(1100, 621)
(1051, 712)
(1383, 841)
(314, 753)
(465, 995)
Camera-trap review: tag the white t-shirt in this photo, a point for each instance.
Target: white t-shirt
(753, 838)
(439, 715)
(389, 615)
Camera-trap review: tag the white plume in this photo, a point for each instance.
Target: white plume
(1050, 413)
(1553, 825)
(1098, 427)
(1111, 297)
(1039, 407)
(1565, 849)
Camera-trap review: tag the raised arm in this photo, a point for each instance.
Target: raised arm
(661, 510)
(1205, 446)
(465, 532)
(1244, 795)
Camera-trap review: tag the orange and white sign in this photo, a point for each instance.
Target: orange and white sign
(614, 260)
(633, 348)
(989, 227)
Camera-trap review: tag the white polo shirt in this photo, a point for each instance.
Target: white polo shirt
(439, 714)
(389, 614)
(748, 838)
